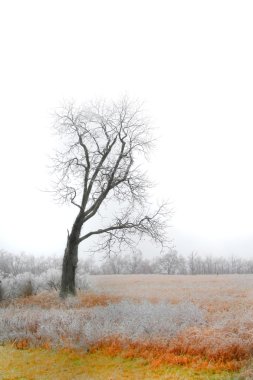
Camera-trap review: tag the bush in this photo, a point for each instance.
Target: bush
(27, 284)
(27, 289)
(49, 280)
(145, 321)
(141, 321)
(18, 286)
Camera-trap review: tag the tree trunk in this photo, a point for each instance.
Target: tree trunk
(70, 259)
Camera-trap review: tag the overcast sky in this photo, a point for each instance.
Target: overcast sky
(191, 62)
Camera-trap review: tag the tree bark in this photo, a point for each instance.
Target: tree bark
(70, 259)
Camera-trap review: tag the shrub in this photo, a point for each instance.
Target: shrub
(141, 321)
(74, 327)
(49, 280)
(27, 284)
(27, 289)
(18, 286)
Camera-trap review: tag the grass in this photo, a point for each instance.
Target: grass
(159, 354)
(214, 351)
(48, 300)
(43, 364)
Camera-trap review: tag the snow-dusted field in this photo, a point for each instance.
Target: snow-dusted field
(207, 316)
(216, 294)
(225, 300)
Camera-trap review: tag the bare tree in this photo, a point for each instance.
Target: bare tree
(98, 171)
(193, 259)
(115, 264)
(134, 262)
(170, 262)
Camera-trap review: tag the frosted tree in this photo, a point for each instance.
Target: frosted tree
(98, 171)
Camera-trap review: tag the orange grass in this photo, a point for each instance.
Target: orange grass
(222, 298)
(31, 364)
(211, 343)
(191, 348)
(48, 300)
(160, 354)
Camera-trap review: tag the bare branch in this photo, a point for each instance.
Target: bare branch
(98, 166)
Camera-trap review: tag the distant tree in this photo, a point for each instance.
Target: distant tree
(181, 265)
(114, 264)
(169, 262)
(89, 266)
(97, 170)
(146, 267)
(193, 260)
(134, 262)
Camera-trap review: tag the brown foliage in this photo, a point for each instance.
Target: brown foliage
(157, 353)
(48, 300)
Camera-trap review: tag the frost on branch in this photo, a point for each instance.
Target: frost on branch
(98, 169)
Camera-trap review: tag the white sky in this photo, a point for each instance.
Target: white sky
(190, 61)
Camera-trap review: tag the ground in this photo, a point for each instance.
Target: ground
(35, 364)
(222, 349)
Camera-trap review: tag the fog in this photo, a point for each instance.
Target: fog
(189, 62)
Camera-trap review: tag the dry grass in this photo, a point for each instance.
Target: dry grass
(224, 343)
(219, 296)
(217, 292)
(157, 354)
(34, 364)
(48, 300)
(227, 301)
(223, 297)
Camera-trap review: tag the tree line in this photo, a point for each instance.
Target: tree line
(170, 263)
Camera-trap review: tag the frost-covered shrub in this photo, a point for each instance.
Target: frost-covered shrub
(28, 289)
(18, 286)
(49, 280)
(26, 284)
(144, 321)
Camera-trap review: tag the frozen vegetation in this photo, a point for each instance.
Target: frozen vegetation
(208, 316)
(27, 283)
(82, 327)
(23, 275)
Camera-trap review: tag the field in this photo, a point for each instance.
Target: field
(133, 327)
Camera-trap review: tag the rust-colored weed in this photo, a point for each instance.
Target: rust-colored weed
(159, 354)
(21, 344)
(48, 300)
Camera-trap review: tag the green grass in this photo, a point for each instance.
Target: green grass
(41, 364)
